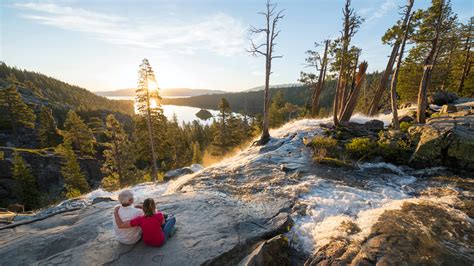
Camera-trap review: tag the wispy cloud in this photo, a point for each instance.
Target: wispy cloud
(372, 14)
(218, 33)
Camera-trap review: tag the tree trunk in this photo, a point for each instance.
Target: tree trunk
(266, 99)
(466, 67)
(320, 85)
(154, 167)
(354, 96)
(427, 70)
(393, 87)
(375, 103)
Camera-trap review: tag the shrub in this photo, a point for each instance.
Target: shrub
(359, 147)
(324, 147)
(405, 125)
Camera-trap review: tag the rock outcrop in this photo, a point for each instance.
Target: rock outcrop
(211, 230)
(421, 233)
(445, 140)
(46, 167)
(442, 97)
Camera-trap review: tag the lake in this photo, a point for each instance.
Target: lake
(183, 113)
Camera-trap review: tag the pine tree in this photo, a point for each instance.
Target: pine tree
(277, 117)
(78, 134)
(17, 112)
(119, 161)
(75, 182)
(221, 139)
(47, 130)
(149, 107)
(26, 186)
(197, 153)
(98, 128)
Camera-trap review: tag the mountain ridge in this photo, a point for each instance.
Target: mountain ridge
(171, 92)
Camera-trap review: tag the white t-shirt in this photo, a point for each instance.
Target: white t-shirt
(131, 235)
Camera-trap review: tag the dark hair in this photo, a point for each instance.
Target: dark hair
(149, 207)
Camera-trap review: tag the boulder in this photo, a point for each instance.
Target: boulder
(374, 125)
(406, 118)
(445, 141)
(175, 173)
(442, 97)
(448, 108)
(270, 252)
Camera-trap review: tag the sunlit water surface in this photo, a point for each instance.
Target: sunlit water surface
(184, 114)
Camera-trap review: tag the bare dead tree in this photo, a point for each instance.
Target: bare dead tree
(393, 87)
(266, 49)
(427, 70)
(354, 95)
(375, 103)
(467, 60)
(351, 23)
(315, 60)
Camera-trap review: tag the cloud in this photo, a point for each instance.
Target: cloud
(372, 14)
(218, 33)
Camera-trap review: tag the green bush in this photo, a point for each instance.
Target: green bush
(324, 147)
(397, 150)
(359, 147)
(405, 125)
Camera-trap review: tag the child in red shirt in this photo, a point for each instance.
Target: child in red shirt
(150, 223)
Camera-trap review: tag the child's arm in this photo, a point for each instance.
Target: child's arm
(118, 220)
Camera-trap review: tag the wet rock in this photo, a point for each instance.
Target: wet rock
(448, 108)
(329, 254)
(420, 234)
(406, 105)
(270, 252)
(101, 199)
(442, 97)
(182, 171)
(406, 119)
(289, 167)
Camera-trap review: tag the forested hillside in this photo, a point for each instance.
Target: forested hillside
(61, 94)
(251, 102)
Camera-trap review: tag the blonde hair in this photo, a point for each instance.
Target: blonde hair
(125, 196)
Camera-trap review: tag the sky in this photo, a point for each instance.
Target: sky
(201, 44)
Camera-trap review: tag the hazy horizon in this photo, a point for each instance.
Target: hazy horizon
(190, 44)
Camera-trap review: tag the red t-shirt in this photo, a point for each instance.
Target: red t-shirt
(151, 228)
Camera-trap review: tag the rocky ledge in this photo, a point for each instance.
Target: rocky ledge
(212, 229)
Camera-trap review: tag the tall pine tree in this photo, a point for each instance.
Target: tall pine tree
(78, 134)
(26, 188)
(47, 130)
(75, 183)
(119, 162)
